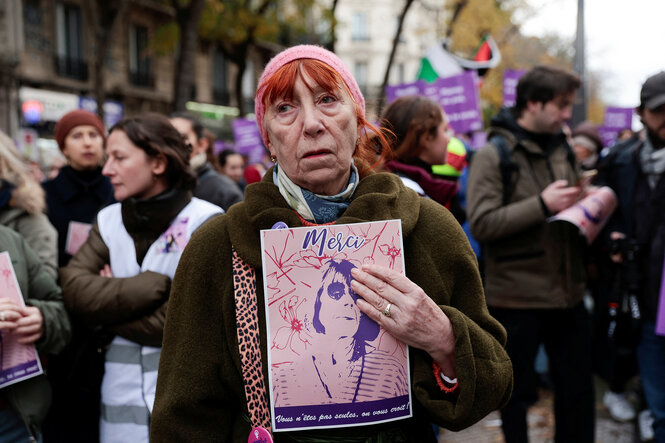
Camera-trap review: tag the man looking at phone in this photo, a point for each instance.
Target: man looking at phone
(635, 170)
(534, 271)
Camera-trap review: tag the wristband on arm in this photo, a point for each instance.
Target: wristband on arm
(444, 383)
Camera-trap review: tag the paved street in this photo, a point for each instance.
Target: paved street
(541, 427)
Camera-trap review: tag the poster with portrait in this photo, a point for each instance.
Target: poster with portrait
(330, 364)
(17, 362)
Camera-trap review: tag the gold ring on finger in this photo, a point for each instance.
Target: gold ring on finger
(386, 311)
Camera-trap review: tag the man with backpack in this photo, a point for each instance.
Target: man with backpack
(534, 270)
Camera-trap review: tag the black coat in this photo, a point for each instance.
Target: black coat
(216, 188)
(640, 215)
(75, 196)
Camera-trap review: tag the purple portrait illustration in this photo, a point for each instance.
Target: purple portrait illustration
(344, 363)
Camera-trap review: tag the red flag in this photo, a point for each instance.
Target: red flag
(483, 51)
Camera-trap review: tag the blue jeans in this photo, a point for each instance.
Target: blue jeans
(651, 358)
(12, 428)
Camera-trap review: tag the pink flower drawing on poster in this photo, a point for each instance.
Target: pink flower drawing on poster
(293, 336)
(391, 251)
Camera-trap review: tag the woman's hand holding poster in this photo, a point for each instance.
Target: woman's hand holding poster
(17, 361)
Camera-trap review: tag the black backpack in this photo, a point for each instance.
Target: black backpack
(509, 168)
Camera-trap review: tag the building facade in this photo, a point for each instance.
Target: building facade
(47, 64)
(49, 48)
(364, 37)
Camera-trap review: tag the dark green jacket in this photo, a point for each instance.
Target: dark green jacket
(31, 398)
(200, 394)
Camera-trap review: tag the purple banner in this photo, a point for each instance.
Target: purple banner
(459, 98)
(397, 91)
(431, 90)
(248, 140)
(220, 145)
(114, 111)
(342, 414)
(618, 118)
(660, 315)
(478, 140)
(510, 79)
(608, 135)
(458, 95)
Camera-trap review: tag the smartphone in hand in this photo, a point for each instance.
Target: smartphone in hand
(586, 177)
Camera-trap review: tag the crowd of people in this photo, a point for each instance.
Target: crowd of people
(140, 265)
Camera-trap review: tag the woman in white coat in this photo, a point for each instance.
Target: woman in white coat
(120, 278)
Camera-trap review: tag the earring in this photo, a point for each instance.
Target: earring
(273, 158)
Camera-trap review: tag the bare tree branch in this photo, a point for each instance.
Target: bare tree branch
(398, 33)
(459, 6)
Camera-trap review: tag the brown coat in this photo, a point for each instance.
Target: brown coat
(529, 262)
(133, 307)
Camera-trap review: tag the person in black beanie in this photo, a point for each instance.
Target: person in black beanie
(73, 199)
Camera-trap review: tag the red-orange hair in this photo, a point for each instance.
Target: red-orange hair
(373, 148)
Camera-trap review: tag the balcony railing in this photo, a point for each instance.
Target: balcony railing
(72, 67)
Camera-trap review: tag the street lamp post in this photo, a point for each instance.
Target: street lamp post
(580, 106)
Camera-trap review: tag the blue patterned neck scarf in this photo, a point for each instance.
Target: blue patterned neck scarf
(314, 207)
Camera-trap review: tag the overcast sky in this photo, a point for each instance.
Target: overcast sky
(625, 40)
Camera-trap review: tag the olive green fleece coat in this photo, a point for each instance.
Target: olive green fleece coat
(200, 394)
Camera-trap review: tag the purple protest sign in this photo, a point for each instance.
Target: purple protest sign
(248, 139)
(458, 96)
(220, 145)
(510, 79)
(478, 139)
(431, 90)
(660, 315)
(618, 118)
(114, 111)
(608, 135)
(397, 91)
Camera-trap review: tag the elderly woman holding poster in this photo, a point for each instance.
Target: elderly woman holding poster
(215, 381)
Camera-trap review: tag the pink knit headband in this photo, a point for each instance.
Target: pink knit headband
(297, 53)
